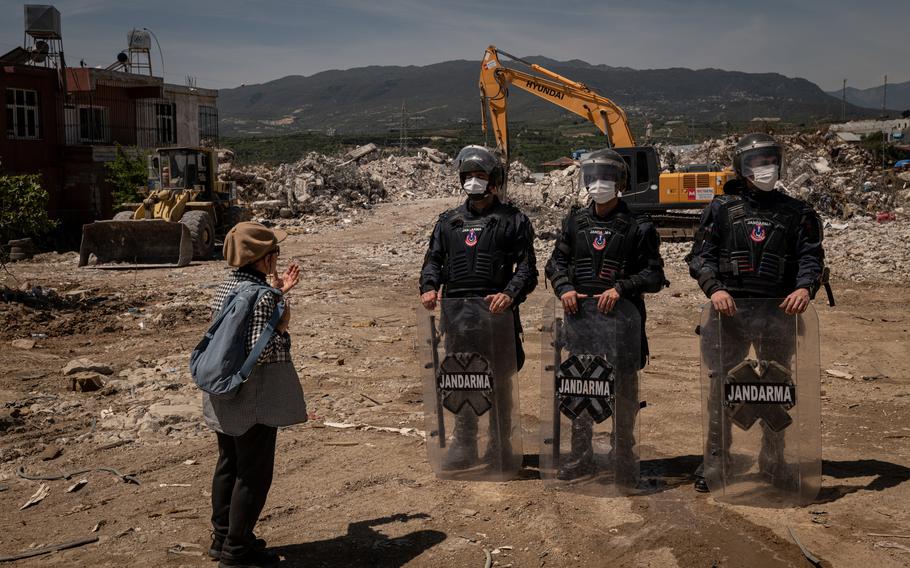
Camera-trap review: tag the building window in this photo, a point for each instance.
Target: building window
(94, 126)
(22, 114)
(208, 124)
(166, 126)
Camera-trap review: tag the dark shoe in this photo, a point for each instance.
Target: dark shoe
(581, 459)
(461, 455)
(577, 465)
(496, 453)
(701, 485)
(216, 546)
(253, 559)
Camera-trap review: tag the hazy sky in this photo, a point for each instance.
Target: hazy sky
(228, 42)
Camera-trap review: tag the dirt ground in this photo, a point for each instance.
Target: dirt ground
(366, 497)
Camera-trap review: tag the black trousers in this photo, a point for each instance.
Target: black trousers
(243, 476)
(766, 329)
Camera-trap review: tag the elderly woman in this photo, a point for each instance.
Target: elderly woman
(247, 424)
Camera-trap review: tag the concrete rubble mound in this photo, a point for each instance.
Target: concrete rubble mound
(840, 180)
(315, 185)
(857, 203)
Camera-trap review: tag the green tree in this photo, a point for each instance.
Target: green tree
(23, 209)
(126, 174)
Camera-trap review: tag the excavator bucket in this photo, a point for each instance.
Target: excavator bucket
(139, 243)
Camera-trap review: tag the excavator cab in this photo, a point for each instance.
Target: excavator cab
(183, 209)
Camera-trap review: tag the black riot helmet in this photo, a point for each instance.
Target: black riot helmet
(604, 165)
(480, 159)
(756, 150)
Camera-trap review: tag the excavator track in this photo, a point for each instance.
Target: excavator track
(676, 227)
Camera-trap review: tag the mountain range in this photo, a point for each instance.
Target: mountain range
(372, 99)
(897, 96)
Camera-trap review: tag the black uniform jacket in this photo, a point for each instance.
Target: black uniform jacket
(643, 270)
(517, 238)
(805, 257)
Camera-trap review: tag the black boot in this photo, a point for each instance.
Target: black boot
(499, 449)
(462, 451)
(581, 460)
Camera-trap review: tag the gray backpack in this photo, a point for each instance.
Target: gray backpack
(218, 364)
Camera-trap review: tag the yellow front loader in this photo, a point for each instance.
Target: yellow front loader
(184, 208)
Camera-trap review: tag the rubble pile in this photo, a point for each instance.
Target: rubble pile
(865, 250)
(429, 174)
(315, 185)
(839, 180)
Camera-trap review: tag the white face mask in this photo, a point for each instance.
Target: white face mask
(602, 191)
(765, 177)
(475, 186)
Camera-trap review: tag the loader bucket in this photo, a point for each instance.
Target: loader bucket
(140, 244)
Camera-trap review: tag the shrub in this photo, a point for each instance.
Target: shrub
(23, 209)
(126, 174)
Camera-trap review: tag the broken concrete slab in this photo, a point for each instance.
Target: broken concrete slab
(83, 365)
(85, 381)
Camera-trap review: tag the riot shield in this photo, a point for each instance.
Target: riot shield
(590, 401)
(470, 397)
(761, 404)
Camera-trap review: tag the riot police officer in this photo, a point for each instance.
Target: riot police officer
(754, 242)
(483, 248)
(607, 252)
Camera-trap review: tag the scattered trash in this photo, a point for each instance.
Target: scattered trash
(77, 486)
(809, 556)
(48, 549)
(186, 548)
(894, 545)
(51, 452)
(838, 374)
(189, 462)
(98, 525)
(39, 496)
(410, 432)
(125, 478)
(23, 343)
(174, 485)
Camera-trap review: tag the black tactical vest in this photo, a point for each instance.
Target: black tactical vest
(477, 263)
(756, 247)
(602, 248)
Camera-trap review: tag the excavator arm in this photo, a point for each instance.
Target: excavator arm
(495, 80)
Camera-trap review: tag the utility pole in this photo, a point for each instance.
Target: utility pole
(403, 129)
(843, 103)
(884, 95)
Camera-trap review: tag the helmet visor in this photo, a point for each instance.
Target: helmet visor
(760, 158)
(476, 159)
(602, 172)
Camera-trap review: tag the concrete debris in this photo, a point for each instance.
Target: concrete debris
(317, 185)
(362, 151)
(86, 381)
(38, 497)
(83, 365)
(414, 177)
(841, 181)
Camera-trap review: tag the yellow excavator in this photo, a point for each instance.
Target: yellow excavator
(184, 208)
(650, 191)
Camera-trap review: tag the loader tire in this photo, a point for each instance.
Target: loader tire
(123, 216)
(234, 215)
(202, 230)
